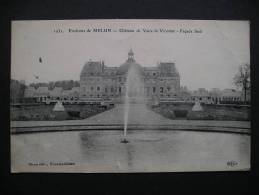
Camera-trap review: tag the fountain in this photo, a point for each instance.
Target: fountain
(134, 94)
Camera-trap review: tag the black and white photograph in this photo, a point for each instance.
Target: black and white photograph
(130, 96)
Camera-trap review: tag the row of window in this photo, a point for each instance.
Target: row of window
(105, 89)
(113, 73)
(121, 79)
(114, 89)
(113, 95)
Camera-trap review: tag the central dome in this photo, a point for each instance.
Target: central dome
(130, 63)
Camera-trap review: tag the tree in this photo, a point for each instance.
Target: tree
(65, 84)
(17, 89)
(242, 79)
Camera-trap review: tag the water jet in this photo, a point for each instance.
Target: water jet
(134, 94)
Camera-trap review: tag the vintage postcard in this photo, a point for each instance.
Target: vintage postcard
(116, 96)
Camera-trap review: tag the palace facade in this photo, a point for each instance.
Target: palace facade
(100, 82)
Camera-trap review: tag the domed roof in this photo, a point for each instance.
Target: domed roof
(130, 63)
(92, 68)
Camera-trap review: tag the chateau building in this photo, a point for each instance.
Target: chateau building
(100, 82)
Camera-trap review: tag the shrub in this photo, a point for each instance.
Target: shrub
(74, 114)
(180, 113)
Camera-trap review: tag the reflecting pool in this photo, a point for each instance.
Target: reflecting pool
(147, 151)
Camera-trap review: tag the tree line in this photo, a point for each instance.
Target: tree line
(17, 89)
(65, 84)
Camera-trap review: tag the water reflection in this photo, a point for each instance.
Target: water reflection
(87, 140)
(129, 151)
(102, 151)
(89, 145)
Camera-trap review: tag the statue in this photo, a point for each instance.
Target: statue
(59, 107)
(197, 106)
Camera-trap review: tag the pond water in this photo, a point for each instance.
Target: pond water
(147, 151)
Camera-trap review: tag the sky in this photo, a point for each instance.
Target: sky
(207, 53)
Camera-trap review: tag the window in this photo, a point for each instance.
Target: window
(154, 74)
(98, 88)
(112, 89)
(120, 89)
(106, 90)
(92, 88)
(168, 88)
(161, 89)
(154, 89)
